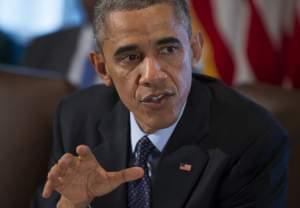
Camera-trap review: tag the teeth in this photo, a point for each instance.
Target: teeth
(153, 98)
(156, 98)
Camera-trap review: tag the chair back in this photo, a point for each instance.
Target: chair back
(27, 105)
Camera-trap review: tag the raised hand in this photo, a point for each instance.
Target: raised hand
(81, 178)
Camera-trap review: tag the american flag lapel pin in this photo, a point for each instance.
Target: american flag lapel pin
(185, 167)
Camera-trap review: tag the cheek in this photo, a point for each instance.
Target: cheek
(127, 90)
(183, 73)
(184, 77)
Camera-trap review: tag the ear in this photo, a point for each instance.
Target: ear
(196, 45)
(98, 62)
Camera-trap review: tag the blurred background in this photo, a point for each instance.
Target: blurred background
(21, 21)
(251, 45)
(24, 20)
(250, 40)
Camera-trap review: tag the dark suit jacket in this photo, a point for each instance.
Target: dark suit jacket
(54, 51)
(237, 151)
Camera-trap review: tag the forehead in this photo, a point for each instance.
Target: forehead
(149, 24)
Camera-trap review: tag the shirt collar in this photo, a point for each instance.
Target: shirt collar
(159, 138)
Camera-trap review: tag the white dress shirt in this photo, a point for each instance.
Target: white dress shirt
(159, 138)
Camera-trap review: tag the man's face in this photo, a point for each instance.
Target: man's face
(147, 56)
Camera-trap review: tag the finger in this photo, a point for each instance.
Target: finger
(52, 179)
(85, 153)
(54, 172)
(126, 175)
(51, 186)
(65, 162)
(48, 189)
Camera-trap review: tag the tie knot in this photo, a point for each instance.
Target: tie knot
(142, 150)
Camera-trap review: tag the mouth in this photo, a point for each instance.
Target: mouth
(157, 98)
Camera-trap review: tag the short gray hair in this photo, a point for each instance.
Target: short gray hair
(103, 7)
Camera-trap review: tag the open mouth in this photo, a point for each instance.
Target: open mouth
(157, 98)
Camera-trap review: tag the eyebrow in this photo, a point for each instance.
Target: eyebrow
(168, 40)
(124, 49)
(134, 47)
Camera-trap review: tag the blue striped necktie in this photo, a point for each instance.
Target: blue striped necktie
(139, 191)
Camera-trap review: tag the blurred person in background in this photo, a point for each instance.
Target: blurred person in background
(10, 50)
(66, 51)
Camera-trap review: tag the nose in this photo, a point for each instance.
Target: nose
(152, 72)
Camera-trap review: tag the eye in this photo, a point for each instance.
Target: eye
(131, 58)
(168, 50)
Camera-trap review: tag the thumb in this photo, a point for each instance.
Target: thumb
(126, 175)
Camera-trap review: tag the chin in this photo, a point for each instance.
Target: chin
(158, 123)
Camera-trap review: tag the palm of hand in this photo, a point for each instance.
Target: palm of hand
(81, 179)
(86, 179)
(78, 182)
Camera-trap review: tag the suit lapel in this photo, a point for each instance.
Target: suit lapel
(112, 153)
(172, 186)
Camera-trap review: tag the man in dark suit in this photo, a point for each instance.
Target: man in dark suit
(196, 142)
(65, 51)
